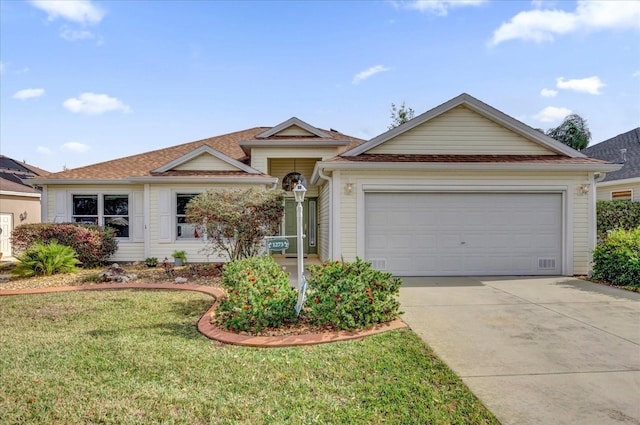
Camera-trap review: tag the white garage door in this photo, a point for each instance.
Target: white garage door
(457, 234)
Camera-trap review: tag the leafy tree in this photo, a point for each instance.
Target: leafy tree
(236, 221)
(400, 115)
(573, 132)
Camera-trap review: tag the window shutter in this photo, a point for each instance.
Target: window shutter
(137, 216)
(61, 207)
(164, 216)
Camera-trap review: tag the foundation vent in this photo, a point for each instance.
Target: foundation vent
(546, 263)
(378, 263)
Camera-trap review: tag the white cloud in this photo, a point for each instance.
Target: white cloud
(74, 147)
(28, 94)
(591, 85)
(544, 25)
(439, 7)
(95, 104)
(80, 11)
(548, 93)
(368, 73)
(43, 150)
(636, 74)
(1, 68)
(75, 35)
(551, 114)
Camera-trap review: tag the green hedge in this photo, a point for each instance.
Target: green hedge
(617, 258)
(351, 295)
(612, 215)
(259, 295)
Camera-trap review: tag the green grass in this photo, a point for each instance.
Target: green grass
(135, 357)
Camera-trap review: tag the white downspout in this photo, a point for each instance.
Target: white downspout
(323, 176)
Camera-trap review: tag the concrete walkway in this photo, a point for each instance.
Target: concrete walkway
(535, 350)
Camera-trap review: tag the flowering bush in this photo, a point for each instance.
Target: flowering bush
(236, 221)
(93, 244)
(351, 295)
(259, 295)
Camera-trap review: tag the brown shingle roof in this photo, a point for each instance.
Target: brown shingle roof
(142, 165)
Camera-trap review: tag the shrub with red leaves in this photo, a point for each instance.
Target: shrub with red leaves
(94, 244)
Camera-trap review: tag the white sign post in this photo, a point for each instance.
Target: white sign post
(299, 192)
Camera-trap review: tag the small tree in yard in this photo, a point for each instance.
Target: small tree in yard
(236, 221)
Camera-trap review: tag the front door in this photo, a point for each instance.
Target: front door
(6, 226)
(309, 226)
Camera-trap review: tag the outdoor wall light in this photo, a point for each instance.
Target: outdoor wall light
(584, 189)
(349, 187)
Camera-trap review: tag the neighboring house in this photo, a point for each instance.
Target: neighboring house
(462, 189)
(623, 184)
(19, 202)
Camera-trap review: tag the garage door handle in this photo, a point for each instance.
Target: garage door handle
(462, 243)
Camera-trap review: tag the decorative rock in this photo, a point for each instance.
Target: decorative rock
(117, 274)
(181, 280)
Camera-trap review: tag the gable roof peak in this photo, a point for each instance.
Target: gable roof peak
(481, 108)
(291, 122)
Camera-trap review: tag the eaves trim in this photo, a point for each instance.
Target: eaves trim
(205, 150)
(458, 166)
(22, 194)
(291, 122)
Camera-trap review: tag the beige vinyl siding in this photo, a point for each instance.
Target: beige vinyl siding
(473, 181)
(280, 167)
(206, 162)
(191, 247)
(604, 192)
(294, 131)
(324, 201)
(260, 156)
(582, 255)
(128, 249)
(460, 131)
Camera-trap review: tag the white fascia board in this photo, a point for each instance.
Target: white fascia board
(290, 122)
(481, 108)
(498, 166)
(76, 181)
(294, 143)
(209, 150)
(633, 180)
(227, 179)
(22, 194)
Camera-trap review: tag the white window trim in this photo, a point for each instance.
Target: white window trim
(100, 195)
(174, 216)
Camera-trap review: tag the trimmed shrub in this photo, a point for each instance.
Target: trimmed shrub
(617, 258)
(351, 295)
(612, 215)
(93, 244)
(259, 295)
(46, 260)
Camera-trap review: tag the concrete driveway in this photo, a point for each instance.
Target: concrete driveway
(535, 350)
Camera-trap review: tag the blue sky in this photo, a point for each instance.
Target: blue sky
(88, 81)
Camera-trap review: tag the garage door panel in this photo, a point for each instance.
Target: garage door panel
(458, 234)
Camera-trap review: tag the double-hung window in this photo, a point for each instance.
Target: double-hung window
(185, 230)
(104, 210)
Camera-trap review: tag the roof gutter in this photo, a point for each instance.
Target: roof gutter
(160, 179)
(472, 166)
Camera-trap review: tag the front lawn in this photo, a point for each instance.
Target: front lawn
(136, 357)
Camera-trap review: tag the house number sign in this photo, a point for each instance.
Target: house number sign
(277, 244)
